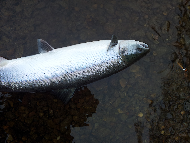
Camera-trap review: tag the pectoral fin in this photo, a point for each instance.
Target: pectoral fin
(64, 94)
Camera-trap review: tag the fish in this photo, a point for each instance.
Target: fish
(64, 69)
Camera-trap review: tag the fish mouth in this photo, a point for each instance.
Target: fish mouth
(143, 45)
(142, 48)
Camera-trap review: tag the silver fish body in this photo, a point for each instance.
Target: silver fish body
(70, 66)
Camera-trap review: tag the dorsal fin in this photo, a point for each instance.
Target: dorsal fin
(113, 42)
(43, 46)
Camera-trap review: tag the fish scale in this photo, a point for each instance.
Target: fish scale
(70, 66)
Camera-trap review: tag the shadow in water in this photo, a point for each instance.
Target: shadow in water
(40, 117)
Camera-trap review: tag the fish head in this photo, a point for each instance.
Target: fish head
(131, 50)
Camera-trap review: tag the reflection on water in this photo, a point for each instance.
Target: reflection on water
(39, 117)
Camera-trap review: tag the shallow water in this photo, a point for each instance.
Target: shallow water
(146, 102)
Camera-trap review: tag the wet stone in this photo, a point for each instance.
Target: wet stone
(140, 114)
(117, 102)
(119, 110)
(104, 132)
(124, 117)
(122, 82)
(134, 68)
(125, 75)
(123, 94)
